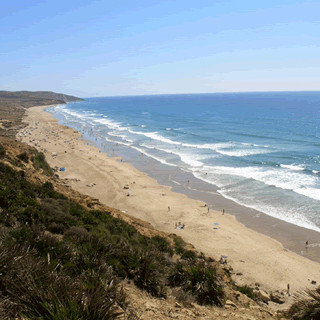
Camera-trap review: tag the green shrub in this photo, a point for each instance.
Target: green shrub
(32, 289)
(78, 234)
(23, 157)
(306, 306)
(179, 244)
(57, 211)
(39, 162)
(201, 280)
(2, 151)
(247, 291)
(57, 228)
(189, 255)
(22, 235)
(162, 244)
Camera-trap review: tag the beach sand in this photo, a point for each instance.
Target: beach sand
(254, 257)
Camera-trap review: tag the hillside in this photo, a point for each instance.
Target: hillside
(64, 255)
(12, 106)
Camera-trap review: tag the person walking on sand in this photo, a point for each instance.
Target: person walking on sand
(208, 209)
(168, 208)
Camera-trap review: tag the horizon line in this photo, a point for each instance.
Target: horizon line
(198, 93)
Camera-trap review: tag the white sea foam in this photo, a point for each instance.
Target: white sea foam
(242, 153)
(286, 179)
(231, 149)
(119, 142)
(110, 124)
(293, 167)
(123, 137)
(315, 171)
(154, 136)
(287, 214)
(189, 158)
(153, 156)
(75, 114)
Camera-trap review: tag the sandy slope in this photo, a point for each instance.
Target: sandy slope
(256, 258)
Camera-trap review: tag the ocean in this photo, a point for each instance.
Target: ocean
(261, 150)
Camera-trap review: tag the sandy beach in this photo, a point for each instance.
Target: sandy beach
(254, 257)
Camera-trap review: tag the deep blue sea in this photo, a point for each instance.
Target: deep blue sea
(261, 150)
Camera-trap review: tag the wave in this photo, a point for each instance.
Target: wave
(287, 214)
(226, 148)
(123, 137)
(154, 136)
(153, 156)
(284, 178)
(110, 124)
(119, 142)
(243, 152)
(189, 158)
(294, 167)
(231, 149)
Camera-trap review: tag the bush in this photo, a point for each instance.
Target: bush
(39, 162)
(162, 244)
(78, 234)
(57, 228)
(201, 280)
(23, 157)
(247, 291)
(32, 289)
(306, 306)
(57, 211)
(189, 255)
(2, 151)
(179, 244)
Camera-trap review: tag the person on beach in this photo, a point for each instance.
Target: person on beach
(222, 211)
(168, 208)
(307, 244)
(208, 209)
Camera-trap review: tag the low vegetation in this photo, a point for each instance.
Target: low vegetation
(59, 260)
(306, 306)
(248, 291)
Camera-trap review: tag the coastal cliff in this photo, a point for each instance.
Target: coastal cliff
(65, 255)
(13, 104)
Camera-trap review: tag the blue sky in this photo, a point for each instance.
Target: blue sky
(106, 48)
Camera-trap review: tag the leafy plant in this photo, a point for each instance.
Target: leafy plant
(2, 151)
(201, 280)
(247, 291)
(39, 161)
(306, 306)
(23, 157)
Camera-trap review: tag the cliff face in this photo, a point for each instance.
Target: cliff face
(29, 98)
(12, 106)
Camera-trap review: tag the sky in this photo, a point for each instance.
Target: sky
(135, 47)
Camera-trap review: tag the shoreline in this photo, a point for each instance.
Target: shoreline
(291, 236)
(198, 189)
(255, 258)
